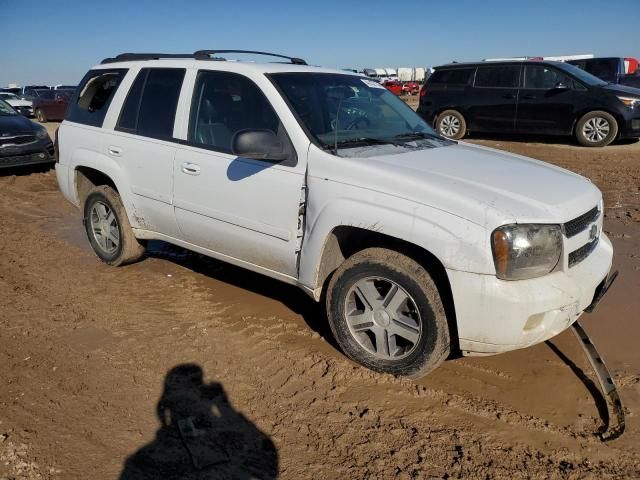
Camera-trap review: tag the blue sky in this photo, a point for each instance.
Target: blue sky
(56, 42)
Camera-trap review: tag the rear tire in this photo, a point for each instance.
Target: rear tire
(596, 129)
(386, 314)
(108, 229)
(451, 124)
(40, 115)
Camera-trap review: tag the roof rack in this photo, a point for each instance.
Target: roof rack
(199, 55)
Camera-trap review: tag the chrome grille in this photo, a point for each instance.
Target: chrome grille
(579, 224)
(581, 253)
(20, 139)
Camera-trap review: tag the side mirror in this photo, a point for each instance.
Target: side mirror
(258, 144)
(561, 86)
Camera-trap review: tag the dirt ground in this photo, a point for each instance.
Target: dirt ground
(99, 365)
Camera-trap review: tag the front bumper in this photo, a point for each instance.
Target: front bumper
(630, 127)
(495, 316)
(40, 152)
(25, 110)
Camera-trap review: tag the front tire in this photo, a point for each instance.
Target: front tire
(386, 314)
(451, 124)
(108, 229)
(596, 129)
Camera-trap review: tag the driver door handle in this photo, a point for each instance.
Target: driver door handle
(190, 168)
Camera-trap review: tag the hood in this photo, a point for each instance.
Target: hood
(11, 124)
(486, 186)
(617, 89)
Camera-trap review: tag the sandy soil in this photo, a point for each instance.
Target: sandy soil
(99, 365)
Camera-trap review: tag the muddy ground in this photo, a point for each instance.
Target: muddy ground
(98, 365)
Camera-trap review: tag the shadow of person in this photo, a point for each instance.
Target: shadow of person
(201, 436)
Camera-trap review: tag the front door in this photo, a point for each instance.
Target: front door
(494, 98)
(546, 101)
(241, 208)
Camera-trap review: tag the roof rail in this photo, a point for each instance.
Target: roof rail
(208, 53)
(131, 57)
(199, 55)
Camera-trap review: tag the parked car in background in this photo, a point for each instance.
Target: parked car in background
(64, 87)
(22, 142)
(393, 86)
(540, 97)
(26, 88)
(24, 107)
(623, 71)
(14, 90)
(32, 93)
(51, 105)
(410, 88)
(418, 245)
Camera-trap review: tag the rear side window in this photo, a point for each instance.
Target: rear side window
(504, 76)
(93, 97)
(150, 107)
(457, 76)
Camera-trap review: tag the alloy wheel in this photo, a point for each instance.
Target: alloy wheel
(450, 126)
(596, 129)
(383, 318)
(104, 227)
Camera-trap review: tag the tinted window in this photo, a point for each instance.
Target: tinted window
(92, 99)
(128, 120)
(542, 77)
(225, 103)
(457, 76)
(150, 107)
(505, 76)
(605, 68)
(159, 102)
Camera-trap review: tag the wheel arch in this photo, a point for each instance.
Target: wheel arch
(619, 119)
(345, 240)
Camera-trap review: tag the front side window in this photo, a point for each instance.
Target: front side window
(94, 95)
(503, 76)
(544, 78)
(151, 104)
(341, 112)
(225, 103)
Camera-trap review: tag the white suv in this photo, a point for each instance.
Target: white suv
(418, 245)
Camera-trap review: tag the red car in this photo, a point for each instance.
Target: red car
(411, 88)
(393, 86)
(51, 105)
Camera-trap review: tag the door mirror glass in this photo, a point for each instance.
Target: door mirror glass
(260, 144)
(561, 86)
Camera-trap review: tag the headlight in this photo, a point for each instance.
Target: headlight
(630, 102)
(42, 133)
(526, 251)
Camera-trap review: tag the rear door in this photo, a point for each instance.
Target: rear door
(492, 106)
(546, 101)
(144, 145)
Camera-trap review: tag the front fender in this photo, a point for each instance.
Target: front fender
(457, 243)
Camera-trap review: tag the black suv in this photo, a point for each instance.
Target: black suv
(538, 97)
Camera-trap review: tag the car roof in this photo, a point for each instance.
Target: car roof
(221, 65)
(497, 62)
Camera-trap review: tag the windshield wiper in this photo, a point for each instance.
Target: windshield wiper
(362, 141)
(421, 135)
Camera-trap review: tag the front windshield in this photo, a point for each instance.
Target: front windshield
(582, 75)
(344, 111)
(9, 96)
(6, 109)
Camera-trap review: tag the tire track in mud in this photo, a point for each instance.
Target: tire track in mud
(328, 417)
